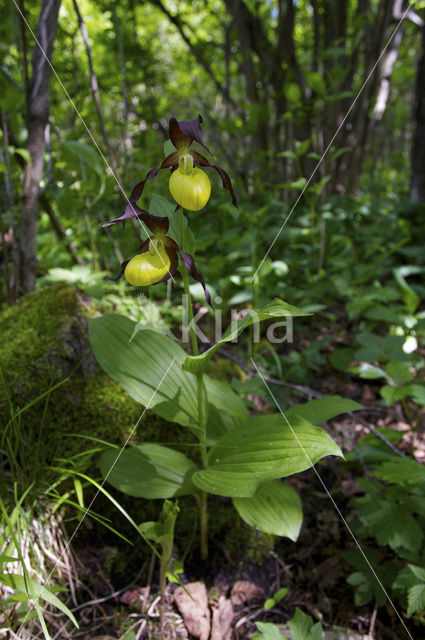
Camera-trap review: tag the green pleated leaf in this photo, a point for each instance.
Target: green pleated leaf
(275, 508)
(139, 360)
(33, 590)
(222, 396)
(276, 309)
(409, 296)
(260, 449)
(148, 471)
(416, 599)
(323, 409)
(402, 471)
(268, 631)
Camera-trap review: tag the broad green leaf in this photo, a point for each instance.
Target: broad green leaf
(409, 296)
(418, 572)
(323, 409)
(302, 627)
(269, 631)
(139, 359)
(163, 532)
(280, 594)
(261, 449)
(394, 394)
(24, 153)
(400, 471)
(418, 393)
(275, 508)
(315, 81)
(221, 396)
(298, 184)
(276, 309)
(148, 365)
(301, 147)
(380, 312)
(287, 154)
(82, 157)
(368, 586)
(292, 92)
(416, 599)
(35, 590)
(390, 523)
(149, 471)
(152, 530)
(368, 371)
(399, 372)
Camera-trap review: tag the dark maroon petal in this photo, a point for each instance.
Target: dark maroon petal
(226, 182)
(225, 179)
(169, 161)
(183, 133)
(177, 136)
(189, 263)
(156, 224)
(123, 266)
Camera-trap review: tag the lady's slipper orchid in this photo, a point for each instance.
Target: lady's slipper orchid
(157, 258)
(189, 185)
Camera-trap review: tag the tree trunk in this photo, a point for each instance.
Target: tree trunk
(417, 183)
(37, 119)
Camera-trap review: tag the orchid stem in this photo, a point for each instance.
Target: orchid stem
(203, 496)
(185, 277)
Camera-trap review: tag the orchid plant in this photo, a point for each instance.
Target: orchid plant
(234, 455)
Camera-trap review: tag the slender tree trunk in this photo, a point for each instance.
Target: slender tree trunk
(37, 119)
(417, 183)
(95, 89)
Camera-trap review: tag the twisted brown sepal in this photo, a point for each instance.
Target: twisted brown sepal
(170, 161)
(182, 134)
(156, 224)
(189, 263)
(225, 178)
(121, 273)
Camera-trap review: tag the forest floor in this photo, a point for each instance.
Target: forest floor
(314, 569)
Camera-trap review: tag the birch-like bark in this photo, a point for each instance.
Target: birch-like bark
(37, 119)
(417, 183)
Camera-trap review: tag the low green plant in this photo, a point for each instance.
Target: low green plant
(229, 453)
(162, 533)
(301, 627)
(390, 516)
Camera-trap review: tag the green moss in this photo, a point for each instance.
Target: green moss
(27, 330)
(45, 342)
(224, 370)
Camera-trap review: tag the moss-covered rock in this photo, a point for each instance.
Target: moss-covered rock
(46, 362)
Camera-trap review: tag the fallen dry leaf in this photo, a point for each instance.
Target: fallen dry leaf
(245, 591)
(194, 609)
(222, 617)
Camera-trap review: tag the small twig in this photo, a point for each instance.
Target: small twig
(378, 435)
(296, 387)
(372, 622)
